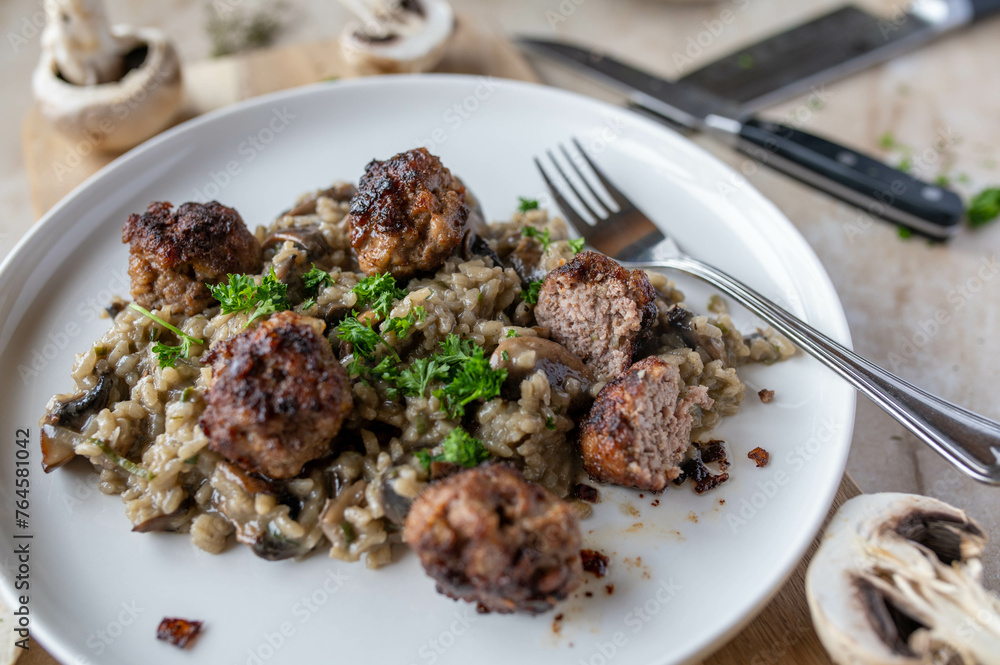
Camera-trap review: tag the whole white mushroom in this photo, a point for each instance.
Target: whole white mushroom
(397, 36)
(896, 581)
(111, 86)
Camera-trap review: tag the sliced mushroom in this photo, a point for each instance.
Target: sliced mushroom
(234, 498)
(397, 36)
(897, 581)
(523, 356)
(395, 505)
(65, 420)
(309, 239)
(332, 518)
(679, 324)
(110, 87)
(169, 523)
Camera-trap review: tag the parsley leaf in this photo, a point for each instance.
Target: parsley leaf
(984, 207)
(316, 279)
(240, 293)
(524, 205)
(308, 304)
(167, 355)
(512, 333)
(576, 245)
(474, 379)
(401, 325)
(544, 237)
(379, 292)
(530, 294)
(364, 340)
(459, 447)
(414, 380)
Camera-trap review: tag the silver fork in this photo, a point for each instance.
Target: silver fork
(970, 441)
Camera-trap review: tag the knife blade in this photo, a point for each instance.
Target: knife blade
(846, 40)
(834, 169)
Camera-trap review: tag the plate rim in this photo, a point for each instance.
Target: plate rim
(47, 635)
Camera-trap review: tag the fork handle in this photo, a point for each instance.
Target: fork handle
(970, 441)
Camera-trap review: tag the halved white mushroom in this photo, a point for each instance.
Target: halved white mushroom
(109, 86)
(397, 36)
(897, 581)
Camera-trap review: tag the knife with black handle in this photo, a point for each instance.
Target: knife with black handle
(877, 188)
(871, 185)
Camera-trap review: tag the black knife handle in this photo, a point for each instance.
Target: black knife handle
(849, 175)
(983, 8)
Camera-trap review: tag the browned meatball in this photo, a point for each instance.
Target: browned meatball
(408, 216)
(173, 255)
(488, 536)
(598, 310)
(278, 396)
(640, 426)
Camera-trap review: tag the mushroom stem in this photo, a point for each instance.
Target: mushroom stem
(79, 36)
(383, 18)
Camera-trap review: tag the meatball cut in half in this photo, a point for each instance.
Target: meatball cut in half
(408, 216)
(640, 426)
(278, 396)
(174, 254)
(488, 536)
(598, 310)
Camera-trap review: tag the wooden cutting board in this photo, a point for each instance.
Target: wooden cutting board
(782, 633)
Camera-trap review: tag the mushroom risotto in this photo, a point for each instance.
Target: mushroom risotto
(301, 386)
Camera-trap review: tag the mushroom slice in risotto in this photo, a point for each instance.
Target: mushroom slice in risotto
(173, 255)
(489, 536)
(640, 426)
(408, 216)
(598, 310)
(278, 396)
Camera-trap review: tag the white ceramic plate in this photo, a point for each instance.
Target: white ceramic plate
(686, 573)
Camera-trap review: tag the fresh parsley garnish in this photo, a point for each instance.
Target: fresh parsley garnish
(984, 207)
(904, 232)
(524, 205)
(364, 339)
(512, 333)
(471, 380)
(576, 245)
(240, 293)
(316, 279)
(414, 380)
(544, 237)
(401, 324)
(459, 447)
(550, 423)
(379, 292)
(167, 355)
(530, 294)
(308, 304)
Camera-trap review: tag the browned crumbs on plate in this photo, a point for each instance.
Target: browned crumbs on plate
(655, 503)
(594, 562)
(586, 493)
(179, 632)
(557, 624)
(588, 594)
(610, 589)
(760, 456)
(766, 396)
(694, 468)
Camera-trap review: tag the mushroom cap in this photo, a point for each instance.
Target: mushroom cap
(114, 116)
(417, 50)
(894, 580)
